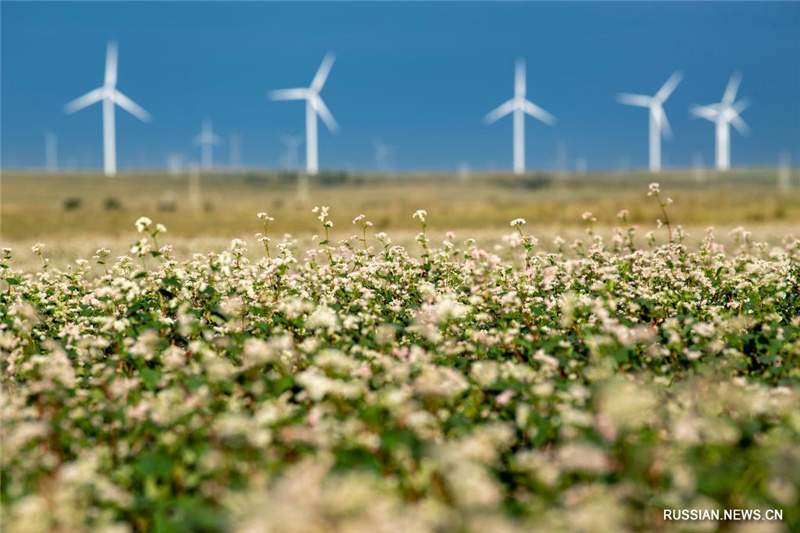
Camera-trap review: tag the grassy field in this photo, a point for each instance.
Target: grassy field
(33, 206)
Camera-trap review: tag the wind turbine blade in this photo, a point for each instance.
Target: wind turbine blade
(666, 90)
(732, 89)
(519, 79)
(131, 107)
(111, 65)
(325, 114)
(741, 105)
(634, 99)
(708, 112)
(499, 111)
(740, 125)
(663, 123)
(539, 113)
(323, 71)
(289, 94)
(84, 101)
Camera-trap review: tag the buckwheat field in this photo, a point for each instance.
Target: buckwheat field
(357, 385)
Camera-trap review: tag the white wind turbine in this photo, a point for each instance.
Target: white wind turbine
(659, 125)
(382, 153)
(292, 143)
(519, 106)
(724, 114)
(314, 106)
(109, 94)
(207, 139)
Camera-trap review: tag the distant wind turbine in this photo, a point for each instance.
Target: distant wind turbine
(382, 153)
(206, 139)
(292, 143)
(50, 152)
(724, 114)
(174, 163)
(659, 125)
(109, 94)
(519, 106)
(314, 106)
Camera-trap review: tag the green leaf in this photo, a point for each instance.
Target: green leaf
(151, 378)
(154, 464)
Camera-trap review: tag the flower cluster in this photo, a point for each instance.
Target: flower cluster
(380, 391)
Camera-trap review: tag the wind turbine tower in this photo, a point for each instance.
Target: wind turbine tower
(292, 143)
(207, 139)
(382, 153)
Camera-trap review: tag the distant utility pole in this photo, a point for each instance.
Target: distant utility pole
(784, 172)
(698, 170)
(561, 157)
(50, 150)
(236, 151)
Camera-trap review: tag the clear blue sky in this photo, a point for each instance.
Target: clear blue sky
(419, 75)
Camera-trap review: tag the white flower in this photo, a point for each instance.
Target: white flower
(421, 214)
(323, 317)
(238, 247)
(143, 224)
(441, 381)
(518, 222)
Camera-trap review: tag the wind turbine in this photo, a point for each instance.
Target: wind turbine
(382, 153)
(314, 106)
(659, 125)
(724, 114)
(519, 106)
(109, 95)
(292, 143)
(206, 139)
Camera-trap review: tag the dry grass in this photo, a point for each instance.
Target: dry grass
(32, 206)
